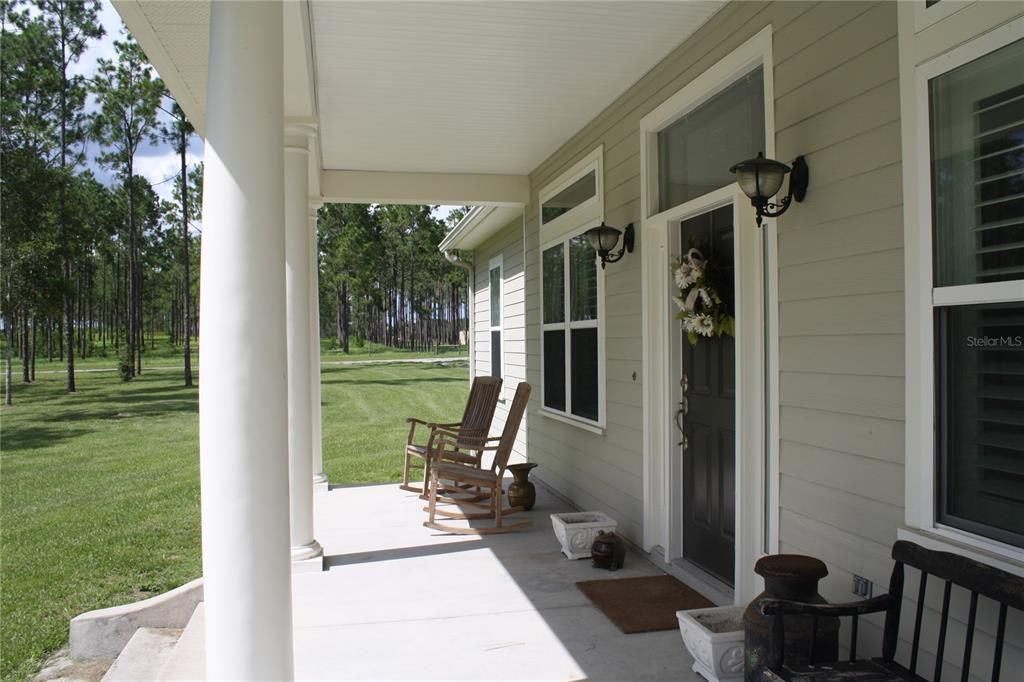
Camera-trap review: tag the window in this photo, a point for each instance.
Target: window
(494, 287)
(571, 290)
(692, 150)
(571, 335)
(976, 112)
(578, 192)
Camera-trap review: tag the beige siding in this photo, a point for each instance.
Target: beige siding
(508, 243)
(841, 304)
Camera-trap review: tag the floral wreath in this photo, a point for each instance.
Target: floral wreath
(701, 308)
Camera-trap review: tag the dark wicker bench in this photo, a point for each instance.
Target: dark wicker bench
(980, 579)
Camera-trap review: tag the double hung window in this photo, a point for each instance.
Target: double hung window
(571, 296)
(494, 291)
(976, 156)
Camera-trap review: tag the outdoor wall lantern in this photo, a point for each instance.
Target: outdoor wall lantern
(604, 238)
(761, 179)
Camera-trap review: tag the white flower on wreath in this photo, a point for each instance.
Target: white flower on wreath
(690, 269)
(703, 325)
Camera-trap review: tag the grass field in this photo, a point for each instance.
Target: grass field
(164, 356)
(100, 490)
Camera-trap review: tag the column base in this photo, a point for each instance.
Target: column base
(308, 558)
(320, 483)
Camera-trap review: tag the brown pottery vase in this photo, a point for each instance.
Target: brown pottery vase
(521, 492)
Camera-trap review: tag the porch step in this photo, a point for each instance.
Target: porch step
(144, 655)
(188, 660)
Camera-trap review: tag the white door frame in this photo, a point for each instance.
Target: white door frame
(662, 503)
(750, 354)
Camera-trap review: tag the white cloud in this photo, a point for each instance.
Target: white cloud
(156, 163)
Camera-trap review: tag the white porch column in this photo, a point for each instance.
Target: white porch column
(243, 436)
(320, 482)
(306, 551)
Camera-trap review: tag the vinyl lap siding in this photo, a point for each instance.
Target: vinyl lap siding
(508, 242)
(840, 292)
(605, 472)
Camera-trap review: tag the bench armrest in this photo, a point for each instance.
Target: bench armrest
(771, 607)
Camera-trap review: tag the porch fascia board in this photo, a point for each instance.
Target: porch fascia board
(135, 19)
(477, 226)
(388, 187)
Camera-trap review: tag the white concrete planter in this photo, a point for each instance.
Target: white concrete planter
(714, 637)
(576, 531)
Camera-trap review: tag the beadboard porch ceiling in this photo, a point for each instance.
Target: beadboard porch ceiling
(436, 87)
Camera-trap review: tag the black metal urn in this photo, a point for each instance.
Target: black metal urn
(608, 551)
(794, 577)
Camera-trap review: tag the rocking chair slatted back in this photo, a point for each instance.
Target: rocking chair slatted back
(476, 420)
(508, 434)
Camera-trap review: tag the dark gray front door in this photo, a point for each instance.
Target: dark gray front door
(709, 423)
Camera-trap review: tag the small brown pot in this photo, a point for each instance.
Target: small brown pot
(608, 551)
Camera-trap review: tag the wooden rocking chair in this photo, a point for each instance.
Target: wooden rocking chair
(472, 430)
(464, 469)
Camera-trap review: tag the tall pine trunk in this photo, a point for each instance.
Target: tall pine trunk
(186, 306)
(9, 328)
(69, 323)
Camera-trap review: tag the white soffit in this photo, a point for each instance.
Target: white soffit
(478, 87)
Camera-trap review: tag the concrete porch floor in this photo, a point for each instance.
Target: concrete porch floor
(400, 601)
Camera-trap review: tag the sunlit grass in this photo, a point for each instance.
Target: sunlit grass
(100, 490)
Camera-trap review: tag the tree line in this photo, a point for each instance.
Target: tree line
(88, 269)
(383, 280)
(91, 269)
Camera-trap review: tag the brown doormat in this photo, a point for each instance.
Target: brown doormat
(643, 604)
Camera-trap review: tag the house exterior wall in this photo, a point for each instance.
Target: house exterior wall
(507, 243)
(840, 295)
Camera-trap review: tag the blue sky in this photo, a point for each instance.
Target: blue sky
(157, 163)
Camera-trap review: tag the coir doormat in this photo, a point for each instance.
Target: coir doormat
(643, 604)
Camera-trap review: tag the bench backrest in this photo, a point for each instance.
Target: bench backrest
(979, 579)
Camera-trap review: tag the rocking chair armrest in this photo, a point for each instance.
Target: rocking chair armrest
(771, 607)
(445, 444)
(458, 456)
(413, 422)
(437, 434)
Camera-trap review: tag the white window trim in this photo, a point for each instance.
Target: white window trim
(559, 231)
(658, 387)
(497, 263)
(590, 212)
(922, 297)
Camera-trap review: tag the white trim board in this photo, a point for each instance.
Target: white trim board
(757, 389)
(927, 52)
(558, 231)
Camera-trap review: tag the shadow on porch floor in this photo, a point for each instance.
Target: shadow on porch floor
(400, 601)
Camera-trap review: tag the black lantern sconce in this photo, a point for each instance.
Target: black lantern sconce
(604, 238)
(761, 179)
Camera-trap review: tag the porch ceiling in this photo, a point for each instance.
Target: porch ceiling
(436, 87)
(478, 87)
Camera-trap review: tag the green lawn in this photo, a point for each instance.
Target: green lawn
(100, 490)
(162, 354)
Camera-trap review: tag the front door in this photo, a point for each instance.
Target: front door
(708, 412)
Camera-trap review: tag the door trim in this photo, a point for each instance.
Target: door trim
(661, 369)
(757, 365)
